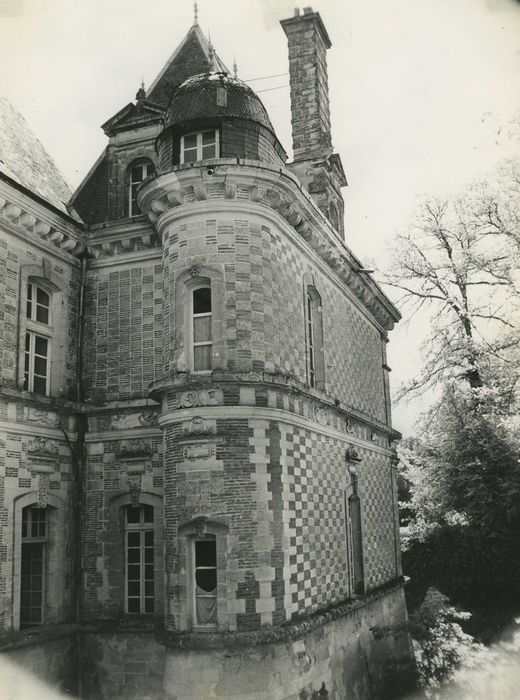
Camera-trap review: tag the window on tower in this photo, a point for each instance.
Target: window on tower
(314, 339)
(138, 173)
(140, 569)
(200, 145)
(201, 329)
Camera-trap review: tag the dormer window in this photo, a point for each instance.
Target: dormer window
(199, 145)
(138, 173)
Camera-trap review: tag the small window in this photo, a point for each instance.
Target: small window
(355, 544)
(138, 174)
(140, 568)
(205, 576)
(314, 339)
(202, 344)
(37, 340)
(201, 145)
(33, 566)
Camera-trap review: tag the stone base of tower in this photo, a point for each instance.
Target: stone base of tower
(356, 651)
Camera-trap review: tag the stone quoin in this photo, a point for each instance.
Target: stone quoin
(198, 494)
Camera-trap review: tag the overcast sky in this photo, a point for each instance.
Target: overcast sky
(424, 93)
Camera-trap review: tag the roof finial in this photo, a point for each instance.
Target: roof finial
(195, 13)
(141, 93)
(211, 55)
(235, 67)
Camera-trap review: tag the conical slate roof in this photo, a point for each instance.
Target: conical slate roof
(193, 56)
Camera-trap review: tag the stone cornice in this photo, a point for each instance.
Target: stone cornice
(279, 190)
(122, 237)
(45, 225)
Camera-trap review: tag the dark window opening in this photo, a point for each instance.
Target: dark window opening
(206, 581)
(32, 573)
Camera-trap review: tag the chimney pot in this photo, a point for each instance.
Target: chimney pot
(296, 11)
(307, 10)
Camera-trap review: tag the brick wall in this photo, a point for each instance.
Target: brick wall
(122, 349)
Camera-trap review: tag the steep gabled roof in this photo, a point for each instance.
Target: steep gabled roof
(133, 116)
(25, 160)
(193, 56)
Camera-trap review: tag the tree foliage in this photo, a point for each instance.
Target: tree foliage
(460, 260)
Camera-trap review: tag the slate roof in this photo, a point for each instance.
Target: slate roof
(192, 57)
(197, 97)
(25, 160)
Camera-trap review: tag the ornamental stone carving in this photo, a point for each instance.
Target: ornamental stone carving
(199, 426)
(136, 449)
(192, 399)
(352, 456)
(36, 415)
(126, 421)
(42, 448)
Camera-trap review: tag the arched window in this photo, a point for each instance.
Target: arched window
(138, 173)
(314, 339)
(201, 328)
(140, 566)
(37, 353)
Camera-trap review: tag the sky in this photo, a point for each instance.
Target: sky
(424, 95)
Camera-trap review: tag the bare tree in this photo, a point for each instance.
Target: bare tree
(461, 260)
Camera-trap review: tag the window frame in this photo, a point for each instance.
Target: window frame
(355, 548)
(206, 538)
(142, 527)
(314, 341)
(34, 329)
(133, 185)
(205, 284)
(199, 146)
(33, 540)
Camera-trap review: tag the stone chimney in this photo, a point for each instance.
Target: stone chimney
(319, 169)
(308, 43)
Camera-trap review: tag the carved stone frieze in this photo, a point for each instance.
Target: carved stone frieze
(126, 421)
(192, 399)
(43, 489)
(136, 449)
(201, 451)
(40, 417)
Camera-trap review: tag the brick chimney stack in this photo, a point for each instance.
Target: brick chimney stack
(319, 169)
(308, 43)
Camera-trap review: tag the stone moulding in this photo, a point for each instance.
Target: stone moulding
(135, 450)
(27, 222)
(279, 191)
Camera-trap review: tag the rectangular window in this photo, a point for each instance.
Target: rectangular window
(310, 343)
(36, 367)
(140, 569)
(32, 581)
(38, 304)
(356, 543)
(200, 146)
(201, 329)
(205, 572)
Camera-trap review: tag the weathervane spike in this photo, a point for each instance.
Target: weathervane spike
(195, 13)
(235, 67)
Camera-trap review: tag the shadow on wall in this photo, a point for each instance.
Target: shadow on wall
(18, 684)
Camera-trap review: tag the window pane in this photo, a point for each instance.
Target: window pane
(42, 297)
(148, 572)
(202, 358)
(134, 588)
(205, 553)
(27, 342)
(190, 156)
(40, 386)
(206, 579)
(132, 514)
(148, 555)
(40, 366)
(209, 152)
(40, 345)
(134, 556)
(134, 539)
(202, 300)
(208, 137)
(148, 589)
(148, 514)
(134, 571)
(134, 605)
(29, 292)
(42, 314)
(190, 141)
(148, 605)
(201, 329)
(29, 309)
(148, 538)
(137, 173)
